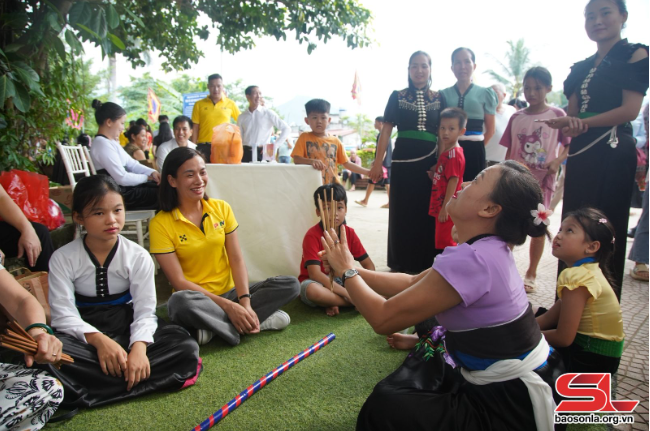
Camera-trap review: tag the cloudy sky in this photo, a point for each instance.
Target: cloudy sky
(553, 30)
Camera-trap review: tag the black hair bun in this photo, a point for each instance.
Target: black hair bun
(537, 230)
(96, 104)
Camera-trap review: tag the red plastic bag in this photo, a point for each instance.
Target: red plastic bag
(55, 215)
(31, 192)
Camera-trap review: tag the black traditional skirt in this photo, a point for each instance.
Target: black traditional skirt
(428, 393)
(411, 230)
(173, 357)
(602, 177)
(474, 152)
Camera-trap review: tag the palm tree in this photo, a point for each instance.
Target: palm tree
(517, 62)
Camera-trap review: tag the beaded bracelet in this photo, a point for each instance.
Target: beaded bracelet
(40, 325)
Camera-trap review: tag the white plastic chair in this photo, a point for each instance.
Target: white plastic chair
(74, 160)
(77, 160)
(89, 159)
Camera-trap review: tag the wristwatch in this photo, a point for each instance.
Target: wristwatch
(348, 274)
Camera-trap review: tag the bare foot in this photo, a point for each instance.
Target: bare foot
(401, 341)
(332, 311)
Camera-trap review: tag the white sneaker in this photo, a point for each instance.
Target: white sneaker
(276, 321)
(203, 336)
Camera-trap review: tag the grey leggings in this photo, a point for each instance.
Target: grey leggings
(194, 310)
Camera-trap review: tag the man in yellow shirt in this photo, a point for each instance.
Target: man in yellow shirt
(215, 109)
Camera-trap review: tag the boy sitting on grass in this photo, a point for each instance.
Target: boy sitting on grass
(326, 152)
(314, 282)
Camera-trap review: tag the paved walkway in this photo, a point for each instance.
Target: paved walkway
(371, 224)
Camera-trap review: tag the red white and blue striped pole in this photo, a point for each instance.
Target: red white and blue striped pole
(249, 391)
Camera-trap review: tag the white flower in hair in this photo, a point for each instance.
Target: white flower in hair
(541, 215)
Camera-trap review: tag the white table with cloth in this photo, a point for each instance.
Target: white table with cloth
(274, 206)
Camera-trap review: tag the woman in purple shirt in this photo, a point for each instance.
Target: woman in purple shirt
(494, 368)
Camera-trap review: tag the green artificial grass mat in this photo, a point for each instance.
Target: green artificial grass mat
(325, 391)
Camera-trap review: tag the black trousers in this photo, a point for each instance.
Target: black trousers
(173, 358)
(248, 154)
(9, 237)
(141, 197)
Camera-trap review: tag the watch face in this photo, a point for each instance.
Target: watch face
(351, 272)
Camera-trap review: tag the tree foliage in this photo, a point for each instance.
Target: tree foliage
(517, 62)
(363, 125)
(41, 40)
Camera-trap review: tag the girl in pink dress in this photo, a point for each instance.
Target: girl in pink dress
(535, 145)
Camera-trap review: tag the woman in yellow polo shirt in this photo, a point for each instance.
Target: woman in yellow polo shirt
(194, 239)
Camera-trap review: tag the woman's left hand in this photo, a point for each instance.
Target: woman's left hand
(337, 253)
(255, 327)
(570, 126)
(155, 176)
(30, 246)
(49, 350)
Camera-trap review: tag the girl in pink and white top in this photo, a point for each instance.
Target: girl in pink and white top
(535, 144)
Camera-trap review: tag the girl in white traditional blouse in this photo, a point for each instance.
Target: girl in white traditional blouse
(103, 301)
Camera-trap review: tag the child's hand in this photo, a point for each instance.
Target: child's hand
(138, 367)
(318, 165)
(443, 216)
(430, 173)
(326, 264)
(553, 167)
(376, 173)
(112, 357)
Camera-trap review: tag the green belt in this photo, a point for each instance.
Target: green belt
(613, 349)
(417, 134)
(584, 115)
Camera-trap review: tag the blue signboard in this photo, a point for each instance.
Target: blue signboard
(190, 99)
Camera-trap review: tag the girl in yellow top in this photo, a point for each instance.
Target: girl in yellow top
(585, 324)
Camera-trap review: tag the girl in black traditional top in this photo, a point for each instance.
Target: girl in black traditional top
(605, 93)
(416, 113)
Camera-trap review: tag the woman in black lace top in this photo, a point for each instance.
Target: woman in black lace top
(605, 93)
(416, 113)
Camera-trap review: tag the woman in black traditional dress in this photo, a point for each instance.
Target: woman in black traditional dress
(416, 113)
(605, 93)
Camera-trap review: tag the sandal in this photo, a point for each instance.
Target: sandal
(384, 206)
(530, 285)
(640, 272)
(361, 203)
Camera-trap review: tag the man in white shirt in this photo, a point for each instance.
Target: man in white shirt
(256, 125)
(182, 133)
(495, 153)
